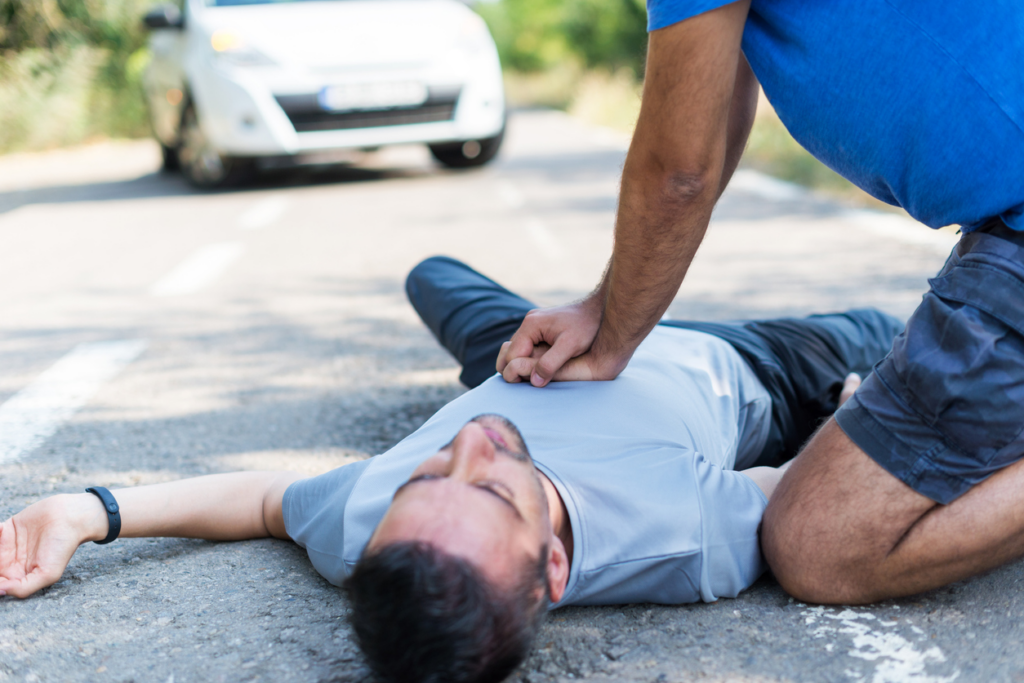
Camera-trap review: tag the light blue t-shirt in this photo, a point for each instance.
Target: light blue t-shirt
(920, 103)
(644, 465)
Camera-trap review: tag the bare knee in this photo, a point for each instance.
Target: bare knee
(833, 521)
(807, 573)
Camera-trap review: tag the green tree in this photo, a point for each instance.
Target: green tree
(69, 70)
(536, 35)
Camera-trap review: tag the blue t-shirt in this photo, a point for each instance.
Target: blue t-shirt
(919, 103)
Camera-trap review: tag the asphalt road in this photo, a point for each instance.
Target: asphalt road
(267, 328)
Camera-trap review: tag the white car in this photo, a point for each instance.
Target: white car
(234, 84)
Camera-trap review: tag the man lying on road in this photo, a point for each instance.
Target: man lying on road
(587, 493)
(918, 480)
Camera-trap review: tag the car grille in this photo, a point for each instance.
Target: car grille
(306, 115)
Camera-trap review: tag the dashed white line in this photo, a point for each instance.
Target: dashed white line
(263, 213)
(609, 137)
(766, 187)
(35, 413)
(901, 229)
(538, 233)
(511, 195)
(889, 225)
(543, 239)
(198, 270)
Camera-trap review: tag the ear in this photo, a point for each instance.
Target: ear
(558, 569)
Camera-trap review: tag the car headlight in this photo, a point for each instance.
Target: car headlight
(231, 49)
(474, 34)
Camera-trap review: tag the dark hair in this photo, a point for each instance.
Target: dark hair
(422, 615)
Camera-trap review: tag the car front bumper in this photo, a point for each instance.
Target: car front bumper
(275, 111)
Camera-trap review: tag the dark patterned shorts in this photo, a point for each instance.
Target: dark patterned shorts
(945, 409)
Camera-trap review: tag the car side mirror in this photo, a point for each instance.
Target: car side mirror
(164, 16)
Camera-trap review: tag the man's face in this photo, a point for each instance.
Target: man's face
(479, 498)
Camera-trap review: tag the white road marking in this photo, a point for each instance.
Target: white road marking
(543, 239)
(897, 660)
(510, 195)
(263, 213)
(888, 225)
(539, 233)
(766, 187)
(609, 137)
(198, 270)
(901, 229)
(35, 413)
(424, 378)
(602, 136)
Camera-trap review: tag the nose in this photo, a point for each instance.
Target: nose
(472, 452)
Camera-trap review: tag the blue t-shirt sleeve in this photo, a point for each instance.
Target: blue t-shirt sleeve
(662, 13)
(314, 516)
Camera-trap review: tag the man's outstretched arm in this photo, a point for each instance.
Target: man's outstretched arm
(38, 542)
(698, 105)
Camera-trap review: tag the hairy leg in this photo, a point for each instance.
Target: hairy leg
(841, 529)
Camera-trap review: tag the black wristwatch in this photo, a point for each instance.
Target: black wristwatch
(112, 510)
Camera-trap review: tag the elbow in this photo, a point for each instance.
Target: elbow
(680, 177)
(686, 187)
(677, 193)
(676, 188)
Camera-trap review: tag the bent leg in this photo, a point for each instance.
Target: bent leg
(840, 529)
(469, 314)
(819, 351)
(918, 481)
(816, 354)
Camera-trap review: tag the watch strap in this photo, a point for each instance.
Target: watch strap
(113, 511)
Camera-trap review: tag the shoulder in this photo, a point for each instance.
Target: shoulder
(318, 497)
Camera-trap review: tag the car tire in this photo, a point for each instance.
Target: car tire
(169, 158)
(201, 164)
(468, 153)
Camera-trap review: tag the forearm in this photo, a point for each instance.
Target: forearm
(38, 542)
(690, 135)
(221, 507)
(698, 104)
(655, 241)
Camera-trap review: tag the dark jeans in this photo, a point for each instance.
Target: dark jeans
(801, 362)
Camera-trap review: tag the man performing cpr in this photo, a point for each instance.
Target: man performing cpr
(917, 481)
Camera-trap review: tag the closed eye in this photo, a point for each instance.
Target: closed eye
(491, 487)
(497, 488)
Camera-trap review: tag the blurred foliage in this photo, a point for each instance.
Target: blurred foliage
(70, 70)
(587, 57)
(539, 35)
(598, 96)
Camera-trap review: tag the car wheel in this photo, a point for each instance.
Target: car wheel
(201, 164)
(169, 158)
(469, 153)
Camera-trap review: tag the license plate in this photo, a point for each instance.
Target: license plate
(364, 96)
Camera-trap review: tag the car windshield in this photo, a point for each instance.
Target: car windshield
(233, 3)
